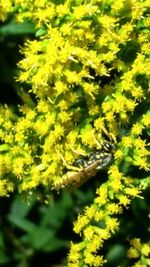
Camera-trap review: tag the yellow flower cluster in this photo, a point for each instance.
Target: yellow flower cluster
(88, 69)
(5, 8)
(140, 252)
(112, 197)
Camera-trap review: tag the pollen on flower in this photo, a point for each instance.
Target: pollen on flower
(93, 260)
(102, 196)
(145, 250)
(112, 224)
(137, 128)
(89, 232)
(80, 223)
(118, 154)
(95, 243)
(103, 234)
(90, 212)
(146, 120)
(127, 141)
(99, 215)
(3, 188)
(124, 200)
(132, 191)
(99, 123)
(74, 255)
(142, 163)
(114, 173)
(113, 208)
(133, 253)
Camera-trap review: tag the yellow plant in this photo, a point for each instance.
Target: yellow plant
(88, 69)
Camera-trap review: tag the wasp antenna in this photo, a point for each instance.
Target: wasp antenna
(112, 137)
(99, 144)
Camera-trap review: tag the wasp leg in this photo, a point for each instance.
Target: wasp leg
(69, 167)
(77, 152)
(110, 135)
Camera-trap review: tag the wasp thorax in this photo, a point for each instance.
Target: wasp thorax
(101, 156)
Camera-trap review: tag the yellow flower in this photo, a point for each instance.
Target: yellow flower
(133, 253)
(93, 260)
(103, 233)
(125, 31)
(60, 87)
(46, 14)
(118, 154)
(74, 255)
(136, 243)
(72, 77)
(83, 10)
(124, 200)
(80, 223)
(110, 117)
(132, 191)
(137, 128)
(146, 120)
(145, 250)
(137, 92)
(89, 232)
(18, 166)
(142, 163)
(64, 116)
(107, 21)
(127, 81)
(137, 10)
(112, 224)
(58, 132)
(114, 173)
(3, 190)
(5, 8)
(88, 137)
(106, 106)
(117, 6)
(90, 212)
(99, 123)
(95, 243)
(99, 215)
(127, 141)
(113, 208)
(140, 65)
(102, 198)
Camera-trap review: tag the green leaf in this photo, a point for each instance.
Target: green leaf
(55, 244)
(40, 237)
(1, 241)
(23, 224)
(56, 213)
(41, 32)
(3, 257)
(20, 207)
(14, 28)
(116, 253)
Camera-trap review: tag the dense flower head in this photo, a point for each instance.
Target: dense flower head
(140, 252)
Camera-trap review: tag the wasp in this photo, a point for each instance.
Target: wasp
(88, 166)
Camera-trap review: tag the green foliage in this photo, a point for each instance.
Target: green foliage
(15, 29)
(30, 228)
